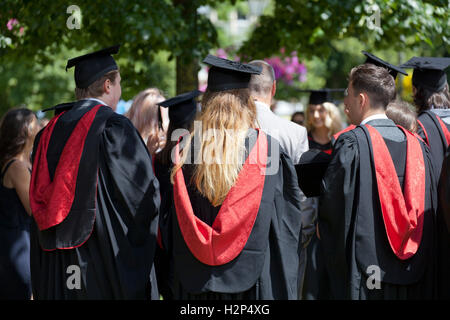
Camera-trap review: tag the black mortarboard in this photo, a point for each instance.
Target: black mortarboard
(320, 96)
(393, 70)
(182, 108)
(92, 66)
(311, 170)
(226, 74)
(429, 72)
(60, 107)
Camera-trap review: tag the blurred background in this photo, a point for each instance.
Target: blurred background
(311, 44)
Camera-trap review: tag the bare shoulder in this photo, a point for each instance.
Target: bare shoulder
(17, 169)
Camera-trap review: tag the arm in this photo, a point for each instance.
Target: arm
(20, 177)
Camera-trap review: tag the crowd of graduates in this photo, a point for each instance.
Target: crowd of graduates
(211, 195)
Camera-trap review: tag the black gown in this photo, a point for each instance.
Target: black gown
(109, 243)
(432, 132)
(315, 286)
(267, 265)
(15, 277)
(351, 225)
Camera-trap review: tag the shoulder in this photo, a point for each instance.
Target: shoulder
(17, 171)
(118, 120)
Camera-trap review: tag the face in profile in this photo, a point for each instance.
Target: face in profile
(116, 92)
(351, 103)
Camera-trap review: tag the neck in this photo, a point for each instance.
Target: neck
(372, 112)
(265, 100)
(24, 156)
(321, 134)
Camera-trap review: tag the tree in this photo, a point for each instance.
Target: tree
(143, 28)
(308, 27)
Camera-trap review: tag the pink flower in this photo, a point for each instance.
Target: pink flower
(11, 23)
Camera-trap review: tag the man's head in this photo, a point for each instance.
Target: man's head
(107, 89)
(97, 76)
(263, 86)
(370, 89)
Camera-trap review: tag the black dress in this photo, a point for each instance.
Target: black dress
(15, 278)
(315, 286)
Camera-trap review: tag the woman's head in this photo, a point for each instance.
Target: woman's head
(144, 113)
(425, 99)
(18, 129)
(323, 115)
(223, 123)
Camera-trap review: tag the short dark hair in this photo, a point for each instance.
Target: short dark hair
(95, 90)
(261, 84)
(376, 82)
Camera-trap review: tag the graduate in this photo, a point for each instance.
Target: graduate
(432, 100)
(313, 164)
(236, 213)
(93, 195)
(182, 112)
(376, 209)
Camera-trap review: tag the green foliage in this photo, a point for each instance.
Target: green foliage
(153, 34)
(309, 26)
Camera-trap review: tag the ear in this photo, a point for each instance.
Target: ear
(107, 86)
(363, 100)
(274, 88)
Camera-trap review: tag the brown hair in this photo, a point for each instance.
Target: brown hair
(425, 99)
(402, 113)
(95, 90)
(225, 117)
(376, 82)
(15, 130)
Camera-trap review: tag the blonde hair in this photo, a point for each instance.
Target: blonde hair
(332, 121)
(225, 118)
(144, 114)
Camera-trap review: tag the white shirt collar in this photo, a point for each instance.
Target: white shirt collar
(262, 104)
(98, 100)
(374, 117)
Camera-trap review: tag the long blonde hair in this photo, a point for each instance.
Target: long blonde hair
(225, 118)
(332, 121)
(143, 113)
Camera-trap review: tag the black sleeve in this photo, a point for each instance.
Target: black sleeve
(337, 204)
(131, 176)
(444, 189)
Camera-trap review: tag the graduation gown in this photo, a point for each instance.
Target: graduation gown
(163, 262)
(95, 204)
(435, 132)
(357, 239)
(246, 248)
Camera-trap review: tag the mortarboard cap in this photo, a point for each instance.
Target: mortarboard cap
(393, 70)
(60, 107)
(226, 74)
(182, 108)
(320, 96)
(429, 72)
(311, 170)
(90, 67)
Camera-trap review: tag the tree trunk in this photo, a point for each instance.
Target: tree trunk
(187, 66)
